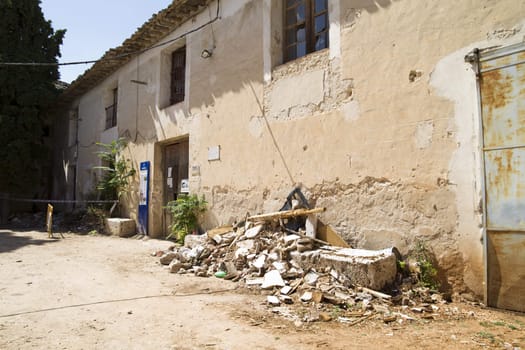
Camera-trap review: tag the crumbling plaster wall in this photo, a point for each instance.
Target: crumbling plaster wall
(382, 128)
(415, 123)
(386, 135)
(222, 94)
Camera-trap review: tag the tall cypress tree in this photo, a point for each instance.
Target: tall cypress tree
(26, 92)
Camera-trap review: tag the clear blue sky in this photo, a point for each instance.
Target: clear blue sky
(95, 26)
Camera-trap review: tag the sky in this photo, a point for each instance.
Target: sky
(95, 26)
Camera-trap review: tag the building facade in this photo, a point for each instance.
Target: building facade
(379, 109)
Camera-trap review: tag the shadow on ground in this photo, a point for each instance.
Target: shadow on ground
(10, 241)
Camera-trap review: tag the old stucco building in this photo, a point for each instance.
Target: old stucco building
(373, 106)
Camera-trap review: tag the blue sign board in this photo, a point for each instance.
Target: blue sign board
(144, 197)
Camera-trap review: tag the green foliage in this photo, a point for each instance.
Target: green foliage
(117, 172)
(487, 335)
(185, 213)
(26, 92)
(98, 214)
(427, 271)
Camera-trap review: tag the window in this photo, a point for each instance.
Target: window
(111, 111)
(305, 26)
(178, 75)
(73, 126)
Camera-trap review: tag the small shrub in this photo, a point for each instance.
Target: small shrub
(427, 275)
(116, 168)
(185, 213)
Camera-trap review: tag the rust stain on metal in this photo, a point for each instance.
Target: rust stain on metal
(496, 89)
(506, 274)
(502, 93)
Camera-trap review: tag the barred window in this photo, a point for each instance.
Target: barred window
(178, 75)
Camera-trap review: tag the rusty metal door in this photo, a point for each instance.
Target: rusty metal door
(502, 90)
(175, 170)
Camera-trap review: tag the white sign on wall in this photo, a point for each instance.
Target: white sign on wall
(184, 186)
(214, 153)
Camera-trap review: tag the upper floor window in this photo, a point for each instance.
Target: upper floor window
(305, 27)
(178, 75)
(111, 111)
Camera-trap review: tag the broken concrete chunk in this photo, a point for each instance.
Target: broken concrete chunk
(167, 258)
(368, 268)
(307, 296)
(279, 266)
(175, 266)
(245, 244)
(192, 241)
(286, 290)
(242, 252)
(217, 239)
(272, 279)
(311, 278)
(273, 300)
(259, 262)
(253, 232)
(290, 238)
(311, 225)
(254, 281)
(273, 256)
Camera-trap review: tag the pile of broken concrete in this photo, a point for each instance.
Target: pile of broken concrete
(295, 269)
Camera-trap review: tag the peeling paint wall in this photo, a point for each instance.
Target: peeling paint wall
(382, 128)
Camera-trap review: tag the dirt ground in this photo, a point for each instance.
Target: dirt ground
(98, 292)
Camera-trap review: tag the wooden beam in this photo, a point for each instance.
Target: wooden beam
(285, 214)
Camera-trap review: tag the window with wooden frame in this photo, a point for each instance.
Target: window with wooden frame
(178, 75)
(111, 111)
(305, 27)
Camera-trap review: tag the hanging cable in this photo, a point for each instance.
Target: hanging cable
(117, 57)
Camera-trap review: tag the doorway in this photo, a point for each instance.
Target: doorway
(175, 175)
(502, 91)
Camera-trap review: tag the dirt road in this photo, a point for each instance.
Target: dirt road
(97, 292)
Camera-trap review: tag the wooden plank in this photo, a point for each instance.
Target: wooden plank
(327, 234)
(219, 231)
(285, 214)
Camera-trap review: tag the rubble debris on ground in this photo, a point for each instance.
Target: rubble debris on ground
(295, 270)
(308, 272)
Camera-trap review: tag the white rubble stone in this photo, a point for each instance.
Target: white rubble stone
(241, 252)
(120, 227)
(311, 278)
(272, 279)
(253, 232)
(259, 262)
(246, 244)
(273, 300)
(191, 241)
(372, 269)
(279, 266)
(254, 281)
(286, 290)
(307, 296)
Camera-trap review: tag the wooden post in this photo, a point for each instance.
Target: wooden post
(49, 221)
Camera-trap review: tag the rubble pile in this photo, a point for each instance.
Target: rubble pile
(296, 271)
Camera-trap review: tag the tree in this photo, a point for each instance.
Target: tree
(26, 92)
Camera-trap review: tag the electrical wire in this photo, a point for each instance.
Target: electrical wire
(117, 57)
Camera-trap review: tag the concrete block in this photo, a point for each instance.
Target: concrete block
(373, 269)
(192, 241)
(120, 227)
